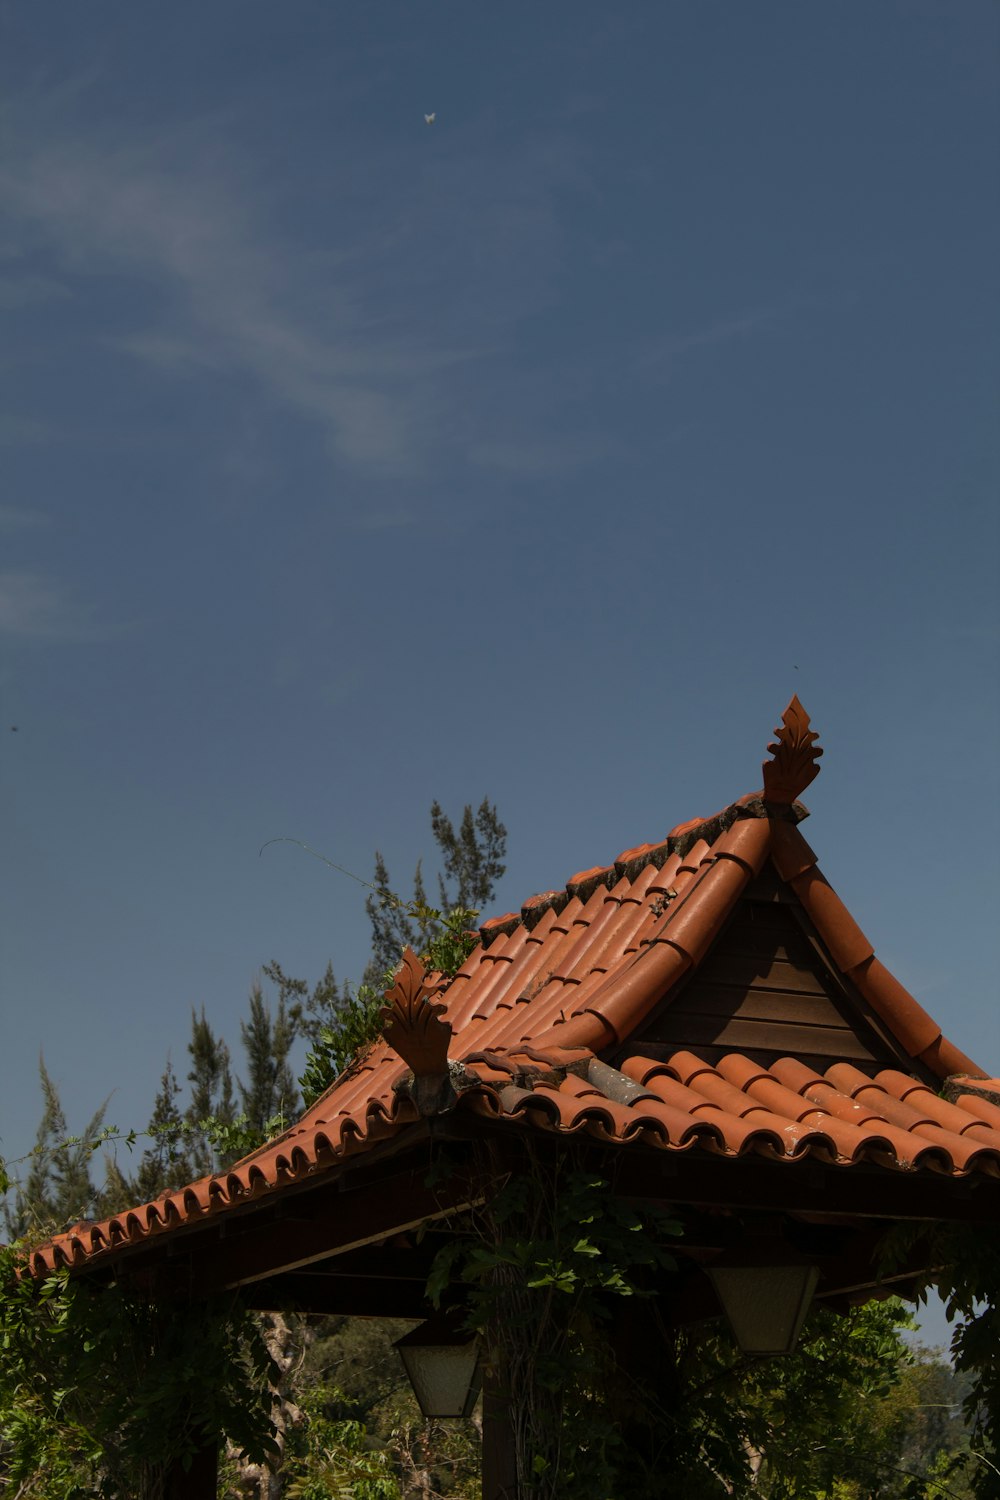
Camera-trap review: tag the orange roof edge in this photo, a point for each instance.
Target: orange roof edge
(918, 1033)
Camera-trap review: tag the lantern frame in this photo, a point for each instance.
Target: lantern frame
(441, 1359)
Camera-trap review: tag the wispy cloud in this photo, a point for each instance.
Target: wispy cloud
(26, 289)
(668, 348)
(385, 517)
(22, 518)
(170, 353)
(34, 607)
(192, 235)
(20, 429)
(538, 457)
(370, 337)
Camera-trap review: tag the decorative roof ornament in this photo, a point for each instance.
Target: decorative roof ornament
(794, 755)
(414, 1029)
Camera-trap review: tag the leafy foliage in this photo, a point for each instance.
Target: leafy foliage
(968, 1279)
(836, 1417)
(355, 1022)
(362, 1427)
(100, 1390)
(453, 939)
(338, 1459)
(355, 1018)
(340, 1025)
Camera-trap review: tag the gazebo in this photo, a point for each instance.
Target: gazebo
(703, 1011)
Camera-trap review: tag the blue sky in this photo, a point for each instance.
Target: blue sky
(541, 453)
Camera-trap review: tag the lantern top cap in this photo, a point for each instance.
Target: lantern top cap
(443, 1330)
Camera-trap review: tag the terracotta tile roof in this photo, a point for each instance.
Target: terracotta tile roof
(545, 1028)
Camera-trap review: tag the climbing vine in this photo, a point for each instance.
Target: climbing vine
(542, 1265)
(358, 1021)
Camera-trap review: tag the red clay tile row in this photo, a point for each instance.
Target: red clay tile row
(785, 1112)
(321, 1144)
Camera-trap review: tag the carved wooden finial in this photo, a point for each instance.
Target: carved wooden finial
(794, 755)
(413, 1025)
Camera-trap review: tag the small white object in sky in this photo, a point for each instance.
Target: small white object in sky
(429, 119)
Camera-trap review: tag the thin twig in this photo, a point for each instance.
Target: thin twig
(387, 896)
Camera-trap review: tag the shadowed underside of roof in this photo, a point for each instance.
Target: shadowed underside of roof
(708, 993)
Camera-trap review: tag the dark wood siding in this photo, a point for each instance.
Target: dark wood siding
(766, 990)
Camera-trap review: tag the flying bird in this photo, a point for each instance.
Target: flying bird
(429, 119)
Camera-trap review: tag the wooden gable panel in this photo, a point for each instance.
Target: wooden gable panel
(766, 989)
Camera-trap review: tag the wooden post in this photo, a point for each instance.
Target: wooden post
(200, 1481)
(499, 1454)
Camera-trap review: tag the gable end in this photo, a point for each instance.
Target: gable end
(768, 988)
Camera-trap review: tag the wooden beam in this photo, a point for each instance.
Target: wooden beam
(807, 1187)
(392, 1262)
(327, 1223)
(348, 1296)
(810, 1186)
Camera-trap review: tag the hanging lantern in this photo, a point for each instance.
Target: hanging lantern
(442, 1363)
(765, 1305)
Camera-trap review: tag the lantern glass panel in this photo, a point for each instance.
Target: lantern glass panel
(765, 1305)
(445, 1377)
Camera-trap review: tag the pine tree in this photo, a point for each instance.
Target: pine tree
(311, 1012)
(270, 1090)
(34, 1205)
(396, 924)
(166, 1163)
(58, 1189)
(211, 1083)
(118, 1191)
(473, 857)
(473, 860)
